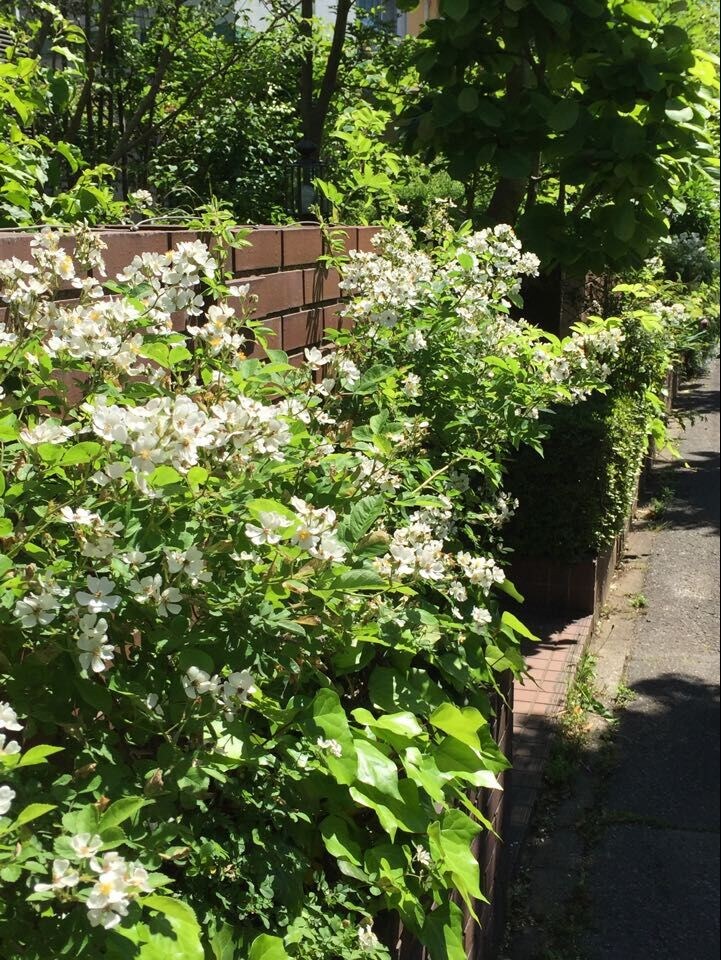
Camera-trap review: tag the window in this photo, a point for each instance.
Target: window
(384, 10)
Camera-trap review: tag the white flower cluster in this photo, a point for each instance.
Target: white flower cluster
(41, 607)
(386, 285)
(115, 881)
(480, 571)
(229, 694)
(413, 552)
(8, 721)
(316, 531)
(217, 331)
(313, 530)
(367, 940)
(96, 536)
(173, 277)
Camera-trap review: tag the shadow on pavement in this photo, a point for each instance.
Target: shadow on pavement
(622, 859)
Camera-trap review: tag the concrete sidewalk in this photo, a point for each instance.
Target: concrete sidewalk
(653, 875)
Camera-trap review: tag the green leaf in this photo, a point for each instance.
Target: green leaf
(330, 721)
(515, 624)
(624, 223)
(411, 691)
(164, 476)
(183, 942)
(38, 754)
(442, 933)
(84, 452)
(339, 842)
(122, 810)
(461, 723)
(358, 580)
(376, 769)
(451, 840)
(468, 100)
(563, 116)
(458, 760)
(678, 111)
(456, 9)
(6, 527)
(258, 507)
(30, 813)
(266, 947)
(8, 428)
(361, 518)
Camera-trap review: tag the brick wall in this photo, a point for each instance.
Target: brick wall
(296, 296)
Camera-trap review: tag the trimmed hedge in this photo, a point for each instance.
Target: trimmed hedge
(574, 500)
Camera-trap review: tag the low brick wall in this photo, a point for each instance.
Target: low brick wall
(297, 297)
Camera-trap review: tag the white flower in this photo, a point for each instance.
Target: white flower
(457, 591)
(267, 532)
(63, 877)
(47, 431)
(366, 938)
(329, 548)
(236, 690)
(134, 558)
(86, 844)
(100, 597)
(480, 617)
(97, 654)
(480, 570)
(332, 746)
(8, 717)
(37, 609)
(315, 359)
(196, 682)
(141, 198)
(189, 562)
(9, 748)
(348, 373)
(150, 590)
(415, 341)
(152, 702)
(6, 798)
(81, 516)
(412, 385)
(422, 856)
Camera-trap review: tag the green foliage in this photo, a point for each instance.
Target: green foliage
(43, 179)
(591, 458)
(588, 114)
(269, 607)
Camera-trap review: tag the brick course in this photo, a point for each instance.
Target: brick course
(297, 297)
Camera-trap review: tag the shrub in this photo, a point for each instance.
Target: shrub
(574, 500)
(248, 639)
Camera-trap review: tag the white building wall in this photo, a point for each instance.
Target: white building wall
(258, 15)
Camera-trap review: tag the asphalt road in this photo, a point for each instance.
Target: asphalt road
(654, 875)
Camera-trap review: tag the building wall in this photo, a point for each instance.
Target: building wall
(411, 23)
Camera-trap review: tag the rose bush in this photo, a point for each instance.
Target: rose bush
(250, 612)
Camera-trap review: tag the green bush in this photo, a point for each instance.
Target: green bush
(574, 499)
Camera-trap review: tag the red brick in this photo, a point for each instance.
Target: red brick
(302, 329)
(15, 245)
(277, 292)
(124, 245)
(273, 336)
(365, 235)
(349, 236)
(301, 245)
(320, 285)
(264, 253)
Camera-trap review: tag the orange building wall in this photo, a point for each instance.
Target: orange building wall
(426, 10)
